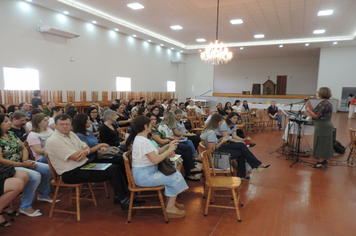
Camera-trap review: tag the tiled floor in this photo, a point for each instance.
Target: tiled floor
(279, 201)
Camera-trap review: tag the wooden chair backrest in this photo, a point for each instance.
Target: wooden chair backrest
(201, 147)
(353, 137)
(244, 116)
(122, 131)
(251, 117)
(193, 121)
(55, 176)
(32, 157)
(128, 162)
(208, 165)
(261, 114)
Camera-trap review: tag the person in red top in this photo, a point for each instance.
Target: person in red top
(352, 108)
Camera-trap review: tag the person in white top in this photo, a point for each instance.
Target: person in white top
(236, 107)
(191, 105)
(38, 137)
(55, 112)
(165, 104)
(199, 109)
(145, 157)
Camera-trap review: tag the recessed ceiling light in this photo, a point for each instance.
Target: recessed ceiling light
(236, 21)
(161, 45)
(116, 29)
(242, 48)
(29, 0)
(201, 40)
(281, 46)
(181, 51)
(307, 44)
(149, 40)
(320, 31)
(200, 50)
(135, 6)
(94, 22)
(134, 35)
(325, 13)
(334, 42)
(65, 12)
(259, 36)
(172, 48)
(176, 27)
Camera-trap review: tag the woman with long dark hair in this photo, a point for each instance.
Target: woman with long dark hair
(228, 107)
(95, 121)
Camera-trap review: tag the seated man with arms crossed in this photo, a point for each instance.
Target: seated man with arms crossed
(67, 154)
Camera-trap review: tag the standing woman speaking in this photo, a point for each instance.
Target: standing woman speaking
(323, 134)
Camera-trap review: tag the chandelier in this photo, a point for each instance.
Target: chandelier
(216, 53)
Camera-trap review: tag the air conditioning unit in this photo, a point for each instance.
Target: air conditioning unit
(177, 62)
(51, 30)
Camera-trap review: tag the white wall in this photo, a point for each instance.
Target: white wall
(337, 69)
(199, 76)
(239, 74)
(100, 54)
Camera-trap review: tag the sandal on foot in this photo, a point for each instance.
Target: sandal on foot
(5, 224)
(178, 214)
(12, 214)
(179, 206)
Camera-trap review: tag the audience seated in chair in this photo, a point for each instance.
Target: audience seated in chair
(72, 112)
(123, 120)
(160, 107)
(38, 136)
(15, 153)
(237, 150)
(134, 110)
(237, 106)
(95, 121)
(68, 104)
(18, 125)
(273, 114)
(227, 108)
(184, 149)
(199, 110)
(57, 110)
(155, 111)
(114, 103)
(212, 111)
(48, 109)
(10, 188)
(25, 109)
(67, 154)
(220, 109)
(108, 131)
(145, 157)
(191, 105)
(29, 123)
(2, 109)
(12, 108)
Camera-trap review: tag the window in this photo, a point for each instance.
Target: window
(171, 86)
(123, 84)
(21, 79)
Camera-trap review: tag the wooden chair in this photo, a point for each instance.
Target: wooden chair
(269, 122)
(261, 119)
(352, 146)
(195, 125)
(58, 182)
(123, 131)
(244, 123)
(220, 182)
(134, 189)
(30, 153)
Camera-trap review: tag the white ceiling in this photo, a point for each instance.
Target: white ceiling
(276, 19)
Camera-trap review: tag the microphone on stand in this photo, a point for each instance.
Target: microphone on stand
(306, 99)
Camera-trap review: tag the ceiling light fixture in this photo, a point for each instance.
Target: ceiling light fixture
(200, 50)
(325, 13)
(94, 22)
(236, 21)
(172, 48)
(307, 44)
(242, 48)
(65, 12)
(334, 42)
(259, 36)
(320, 31)
(28, 0)
(281, 46)
(161, 45)
(135, 6)
(176, 27)
(201, 40)
(216, 53)
(149, 40)
(116, 29)
(181, 51)
(134, 35)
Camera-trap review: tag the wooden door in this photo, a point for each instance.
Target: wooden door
(281, 85)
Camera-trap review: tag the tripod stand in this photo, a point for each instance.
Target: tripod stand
(299, 122)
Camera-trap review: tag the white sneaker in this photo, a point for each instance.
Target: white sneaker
(47, 200)
(35, 214)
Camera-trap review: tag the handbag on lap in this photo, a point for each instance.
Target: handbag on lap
(112, 151)
(7, 171)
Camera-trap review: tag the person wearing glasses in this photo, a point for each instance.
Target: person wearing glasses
(95, 120)
(212, 112)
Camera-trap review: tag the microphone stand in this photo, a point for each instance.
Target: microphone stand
(299, 121)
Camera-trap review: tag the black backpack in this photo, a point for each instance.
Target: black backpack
(338, 147)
